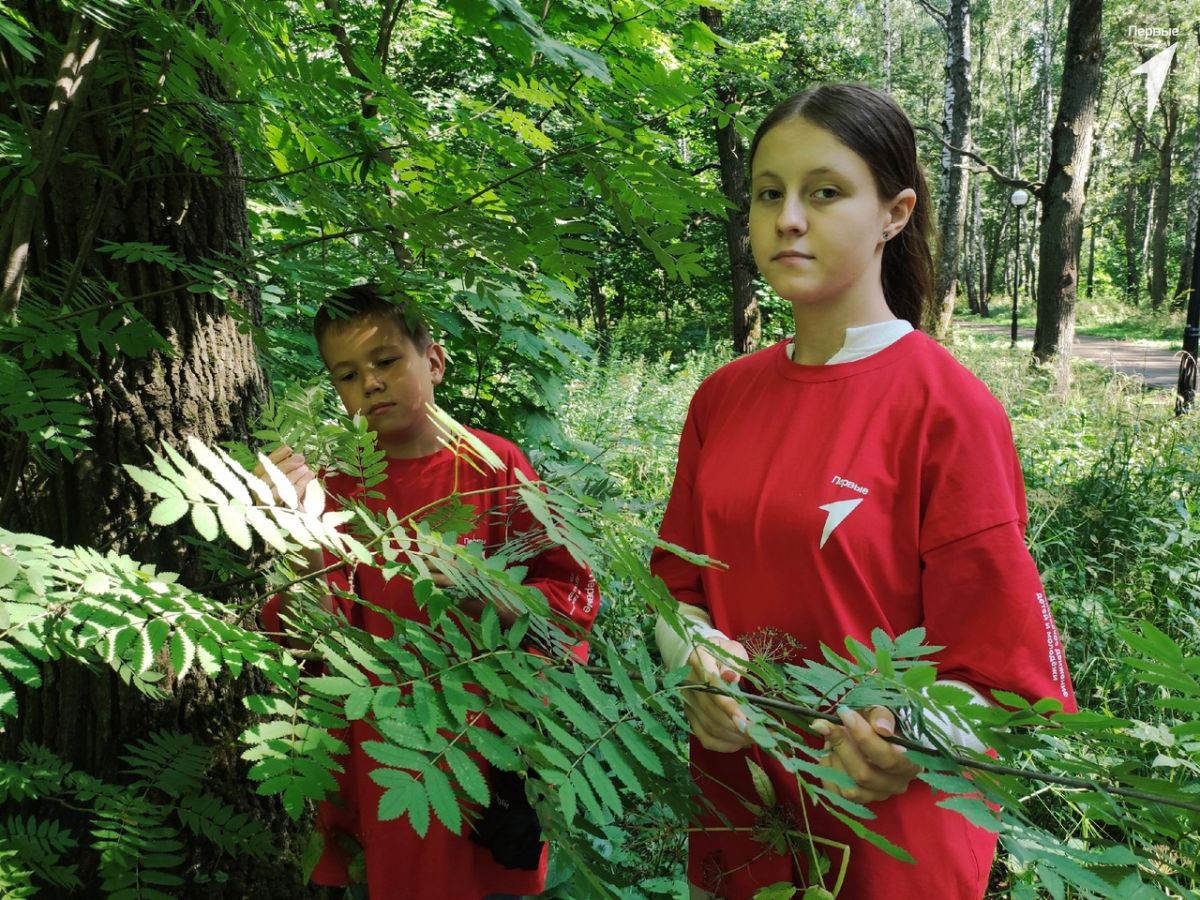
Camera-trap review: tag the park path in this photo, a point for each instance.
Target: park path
(1154, 366)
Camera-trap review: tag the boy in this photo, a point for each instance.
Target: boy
(385, 365)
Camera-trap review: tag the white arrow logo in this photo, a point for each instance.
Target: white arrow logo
(1155, 69)
(835, 515)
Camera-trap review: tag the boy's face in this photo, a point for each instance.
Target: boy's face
(379, 372)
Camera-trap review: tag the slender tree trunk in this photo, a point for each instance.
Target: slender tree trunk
(993, 251)
(1151, 207)
(1129, 223)
(887, 45)
(208, 385)
(731, 153)
(956, 131)
(1162, 206)
(1070, 157)
(1091, 267)
(599, 317)
(1183, 285)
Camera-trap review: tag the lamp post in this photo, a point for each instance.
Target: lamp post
(1018, 199)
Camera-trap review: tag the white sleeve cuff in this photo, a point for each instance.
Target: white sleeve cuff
(949, 733)
(675, 648)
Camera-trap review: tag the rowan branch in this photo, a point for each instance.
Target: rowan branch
(807, 712)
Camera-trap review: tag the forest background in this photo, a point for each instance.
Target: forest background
(560, 186)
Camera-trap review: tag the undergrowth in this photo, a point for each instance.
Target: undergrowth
(1113, 488)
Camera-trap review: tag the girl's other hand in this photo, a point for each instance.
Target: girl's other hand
(858, 748)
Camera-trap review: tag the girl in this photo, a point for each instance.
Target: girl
(853, 477)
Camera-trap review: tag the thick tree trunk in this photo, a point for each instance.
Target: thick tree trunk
(956, 131)
(1063, 198)
(731, 154)
(209, 385)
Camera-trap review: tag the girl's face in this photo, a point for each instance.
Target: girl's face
(816, 218)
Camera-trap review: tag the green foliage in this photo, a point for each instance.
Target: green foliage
(137, 826)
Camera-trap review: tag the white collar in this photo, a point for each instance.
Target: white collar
(865, 340)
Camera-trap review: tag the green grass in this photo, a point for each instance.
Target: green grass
(1104, 316)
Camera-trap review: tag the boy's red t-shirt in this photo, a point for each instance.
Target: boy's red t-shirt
(400, 865)
(883, 492)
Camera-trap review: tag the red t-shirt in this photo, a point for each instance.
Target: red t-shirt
(883, 492)
(400, 865)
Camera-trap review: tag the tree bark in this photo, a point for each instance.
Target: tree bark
(956, 132)
(1162, 205)
(731, 153)
(209, 386)
(1183, 285)
(1066, 176)
(1129, 223)
(599, 316)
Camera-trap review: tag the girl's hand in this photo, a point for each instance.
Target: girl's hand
(857, 747)
(718, 722)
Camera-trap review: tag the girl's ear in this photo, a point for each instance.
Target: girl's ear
(900, 209)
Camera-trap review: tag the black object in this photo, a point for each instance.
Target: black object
(509, 828)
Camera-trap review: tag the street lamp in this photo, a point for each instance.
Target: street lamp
(1018, 199)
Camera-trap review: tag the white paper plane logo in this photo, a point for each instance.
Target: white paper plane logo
(1155, 69)
(835, 515)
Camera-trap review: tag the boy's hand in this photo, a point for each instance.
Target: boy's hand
(857, 747)
(292, 465)
(296, 470)
(718, 721)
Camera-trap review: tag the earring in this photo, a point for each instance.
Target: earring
(887, 235)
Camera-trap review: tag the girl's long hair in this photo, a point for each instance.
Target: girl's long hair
(873, 125)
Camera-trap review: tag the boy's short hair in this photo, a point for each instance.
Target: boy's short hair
(370, 299)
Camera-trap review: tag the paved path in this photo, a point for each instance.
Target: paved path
(1154, 366)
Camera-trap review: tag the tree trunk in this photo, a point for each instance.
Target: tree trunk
(1063, 198)
(1183, 285)
(1129, 223)
(1162, 206)
(747, 321)
(209, 385)
(599, 317)
(1150, 206)
(1091, 268)
(993, 251)
(956, 131)
(887, 45)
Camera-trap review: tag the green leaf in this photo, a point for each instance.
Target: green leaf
(205, 521)
(169, 511)
(974, 810)
(442, 799)
(183, 652)
(468, 776)
(762, 783)
(233, 522)
(602, 784)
